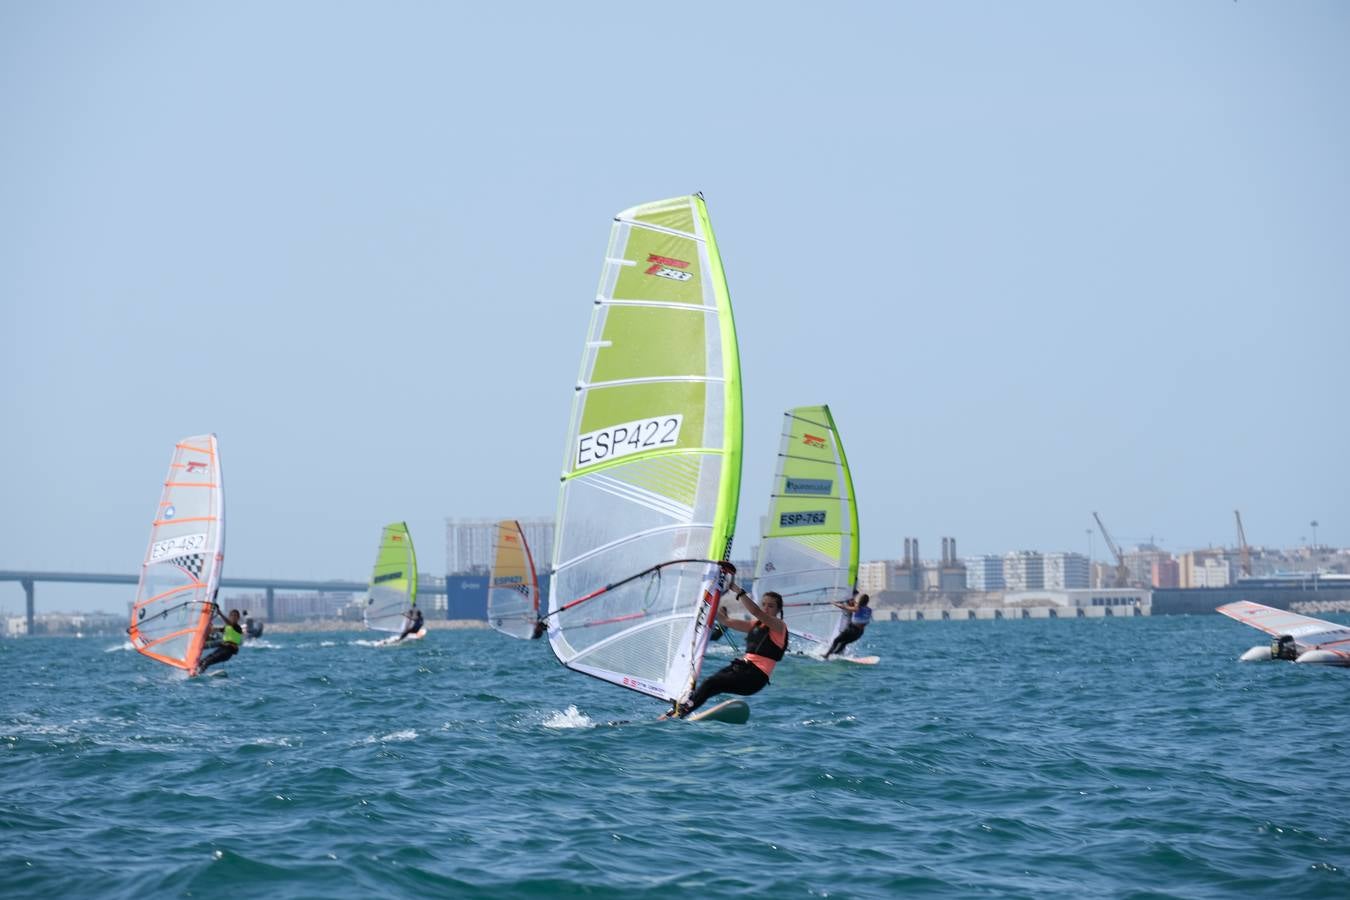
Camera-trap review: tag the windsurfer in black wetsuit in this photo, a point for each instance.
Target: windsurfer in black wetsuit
(414, 616)
(231, 637)
(766, 640)
(540, 627)
(860, 614)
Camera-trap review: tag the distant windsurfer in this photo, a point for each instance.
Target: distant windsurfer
(540, 628)
(231, 637)
(414, 617)
(766, 640)
(860, 615)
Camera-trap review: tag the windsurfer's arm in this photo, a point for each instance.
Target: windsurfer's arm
(772, 623)
(737, 624)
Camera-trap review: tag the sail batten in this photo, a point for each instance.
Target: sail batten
(180, 572)
(651, 476)
(393, 581)
(808, 552)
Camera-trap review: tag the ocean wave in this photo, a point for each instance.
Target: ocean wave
(569, 718)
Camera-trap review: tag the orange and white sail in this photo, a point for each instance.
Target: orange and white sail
(181, 570)
(513, 589)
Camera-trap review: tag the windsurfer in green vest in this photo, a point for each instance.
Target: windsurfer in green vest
(231, 637)
(414, 625)
(766, 639)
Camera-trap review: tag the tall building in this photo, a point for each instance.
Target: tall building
(1066, 571)
(874, 577)
(984, 573)
(1166, 574)
(468, 544)
(1024, 570)
(1140, 562)
(1213, 573)
(1198, 568)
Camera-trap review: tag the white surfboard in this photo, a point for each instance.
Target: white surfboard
(734, 712)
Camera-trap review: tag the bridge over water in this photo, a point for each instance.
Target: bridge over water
(29, 581)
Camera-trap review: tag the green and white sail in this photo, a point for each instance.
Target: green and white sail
(809, 549)
(393, 583)
(651, 478)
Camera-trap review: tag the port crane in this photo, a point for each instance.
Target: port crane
(1244, 552)
(1122, 575)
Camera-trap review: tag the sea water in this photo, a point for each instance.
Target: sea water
(1107, 758)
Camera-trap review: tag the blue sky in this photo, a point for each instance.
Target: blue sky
(1039, 258)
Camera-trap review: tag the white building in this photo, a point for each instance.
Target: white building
(1066, 571)
(1212, 573)
(1119, 598)
(468, 543)
(1024, 570)
(874, 577)
(984, 573)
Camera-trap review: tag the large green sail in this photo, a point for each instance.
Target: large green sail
(651, 480)
(393, 583)
(809, 549)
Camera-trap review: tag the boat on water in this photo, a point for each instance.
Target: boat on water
(651, 477)
(513, 586)
(808, 552)
(392, 594)
(180, 572)
(1297, 638)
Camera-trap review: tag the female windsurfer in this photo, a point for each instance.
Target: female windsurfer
(230, 639)
(766, 640)
(860, 614)
(414, 623)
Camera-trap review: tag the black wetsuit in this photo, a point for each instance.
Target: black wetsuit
(851, 633)
(228, 647)
(742, 676)
(414, 626)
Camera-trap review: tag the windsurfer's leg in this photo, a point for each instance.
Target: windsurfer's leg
(740, 677)
(846, 637)
(218, 655)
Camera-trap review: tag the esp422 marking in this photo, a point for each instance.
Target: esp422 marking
(628, 438)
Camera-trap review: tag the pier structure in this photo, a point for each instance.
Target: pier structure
(29, 580)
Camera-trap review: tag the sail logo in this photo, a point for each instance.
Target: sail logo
(396, 537)
(177, 546)
(801, 519)
(389, 576)
(170, 512)
(196, 465)
(628, 438)
(667, 267)
(811, 440)
(819, 487)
